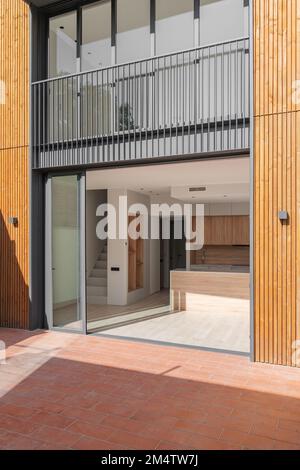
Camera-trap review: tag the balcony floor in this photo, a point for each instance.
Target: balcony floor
(64, 391)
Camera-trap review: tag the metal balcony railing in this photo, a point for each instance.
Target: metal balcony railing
(193, 101)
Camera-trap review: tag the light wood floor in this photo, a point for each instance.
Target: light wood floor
(100, 316)
(220, 323)
(214, 322)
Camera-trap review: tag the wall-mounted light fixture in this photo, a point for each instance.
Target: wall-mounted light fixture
(13, 221)
(283, 216)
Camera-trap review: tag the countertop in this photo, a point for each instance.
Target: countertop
(222, 268)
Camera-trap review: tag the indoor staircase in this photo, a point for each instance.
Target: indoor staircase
(97, 281)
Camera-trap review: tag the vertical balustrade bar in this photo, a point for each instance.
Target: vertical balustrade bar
(118, 111)
(96, 159)
(108, 116)
(87, 114)
(183, 104)
(72, 121)
(236, 95)
(44, 137)
(222, 99)
(123, 110)
(92, 120)
(189, 100)
(171, 103)
(215, 97)
(158, 108)
(230, 97)
(243, 78)
(113, 112)
(195, 94)
(202, 98)
(141, 109)
(209, 98)
(164, 104)
(147, 98)
(62, 99)
(177, 98)
(134, 108)
(67, 116)
(153, 106)
(102, 118)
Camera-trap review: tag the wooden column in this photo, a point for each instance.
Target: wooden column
(14, 163)
(276, 179)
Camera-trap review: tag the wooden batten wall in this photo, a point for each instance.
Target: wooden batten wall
(276, 180)
(14, 163)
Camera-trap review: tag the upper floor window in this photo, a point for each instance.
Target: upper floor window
(62, 44)
(222, 20)
(127, 24)
(174, 25)
(133, 30)
(96, 36)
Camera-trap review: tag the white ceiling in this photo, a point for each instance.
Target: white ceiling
(225, 180)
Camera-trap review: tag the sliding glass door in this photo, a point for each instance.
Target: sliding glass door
(65, 252)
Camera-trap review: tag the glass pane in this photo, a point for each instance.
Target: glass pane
(133, 30)
(96, 36)
(174, 25)
(62, 45)
(222, 20)
(65, 252)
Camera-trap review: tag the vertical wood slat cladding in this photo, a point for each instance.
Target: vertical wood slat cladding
(14, 164)
(276, 179)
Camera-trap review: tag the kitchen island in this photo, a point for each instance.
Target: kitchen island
(210, 288)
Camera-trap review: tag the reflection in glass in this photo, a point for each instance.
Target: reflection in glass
(65, 252)
(62, 45)
(222, 20)
(133, 30)
(174, 25)
(96, 36)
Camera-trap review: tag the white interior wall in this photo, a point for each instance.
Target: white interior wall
(94, 245)
(154, 266)
(117, 256)
(117, 281)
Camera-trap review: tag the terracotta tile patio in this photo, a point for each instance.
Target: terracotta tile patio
(63, 391)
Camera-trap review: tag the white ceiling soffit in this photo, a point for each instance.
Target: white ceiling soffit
(225, 180)
(213, 192)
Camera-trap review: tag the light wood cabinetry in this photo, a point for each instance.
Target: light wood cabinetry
(226, 230)
(241, 230)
